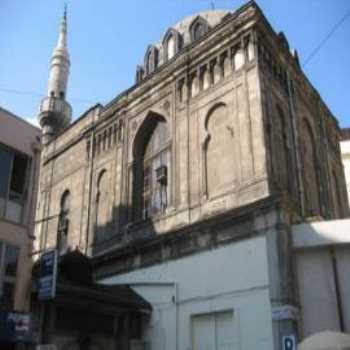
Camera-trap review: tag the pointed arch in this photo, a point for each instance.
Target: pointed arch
(198, 28)
(172, 43)
(151, 59)
(218, 151)
(145, 130)
(211, 111)
(102, 205)
(151, 168)
(65, 200)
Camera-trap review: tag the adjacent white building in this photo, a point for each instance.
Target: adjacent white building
(345, 151)
(322, 257)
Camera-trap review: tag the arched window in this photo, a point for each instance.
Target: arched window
(309, 159)
(194, 86)
(171, 47)
(219, 158)
(172, 43)
(198, 28)
(63, 223)
(238, 59)
(152, 168)
(151, 59)
(198, 31)
(216, 71)
(102, 217)
(226, 66)
(205, 79)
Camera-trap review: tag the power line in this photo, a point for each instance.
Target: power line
(37, 94)
(327, 37)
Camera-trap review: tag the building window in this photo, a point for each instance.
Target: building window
(102, 206)
(14, 174)
(63, 223)
(152, 168)
(198, 28)
(172, 43)
(194, 85)
(171, 47)
(151, 63)
(8, 271)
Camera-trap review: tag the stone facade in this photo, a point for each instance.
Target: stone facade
(221, 133)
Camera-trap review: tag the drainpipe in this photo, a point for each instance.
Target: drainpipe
(337, 290)
(33, 191)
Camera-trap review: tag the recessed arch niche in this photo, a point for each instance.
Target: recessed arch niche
(220, 166)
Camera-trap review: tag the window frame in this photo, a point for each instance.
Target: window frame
(147, 155)
(63, 222)
(7, 278)
(25, 194)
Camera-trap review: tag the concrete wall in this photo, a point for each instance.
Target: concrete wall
(22, 137)
(322, 252)
(234, 277)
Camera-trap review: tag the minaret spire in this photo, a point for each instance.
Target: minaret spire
(55, 112)
(60, 62)
(62, 38)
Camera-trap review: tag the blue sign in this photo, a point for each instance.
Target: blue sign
(15, 327)
(47, 276)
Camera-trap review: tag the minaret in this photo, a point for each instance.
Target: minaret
(55, 112)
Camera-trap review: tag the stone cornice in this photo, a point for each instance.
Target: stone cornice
(211, 232)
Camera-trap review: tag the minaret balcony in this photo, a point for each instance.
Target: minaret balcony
(56, 105)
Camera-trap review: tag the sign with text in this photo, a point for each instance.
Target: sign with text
(48, 275)
(15, 327)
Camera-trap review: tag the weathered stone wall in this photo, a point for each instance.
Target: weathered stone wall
(302, 135)
(102, 142)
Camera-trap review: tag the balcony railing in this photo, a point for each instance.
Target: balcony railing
(56, 105)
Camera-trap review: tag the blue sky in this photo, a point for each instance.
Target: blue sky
(108, 38)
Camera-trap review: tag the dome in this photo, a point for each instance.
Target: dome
(213, 18)
(183, 28)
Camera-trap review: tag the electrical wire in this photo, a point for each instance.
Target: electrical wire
(36, 94)
(325, 39)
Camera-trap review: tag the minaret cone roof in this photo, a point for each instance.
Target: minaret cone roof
(62, 37)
